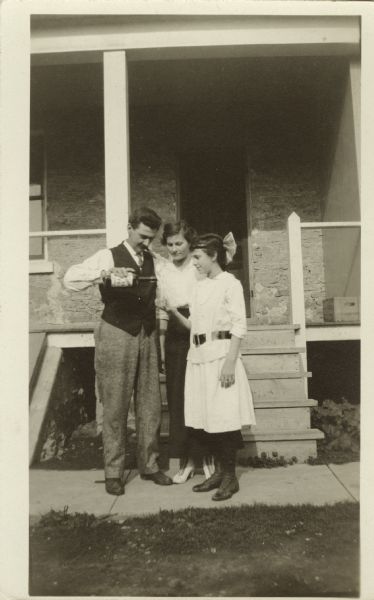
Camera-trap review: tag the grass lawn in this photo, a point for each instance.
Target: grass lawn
(246, 551)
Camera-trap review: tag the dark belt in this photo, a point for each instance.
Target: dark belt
(199, 339)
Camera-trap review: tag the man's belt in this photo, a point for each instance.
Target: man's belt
(200, 338)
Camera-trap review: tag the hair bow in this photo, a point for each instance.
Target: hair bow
(229, 245)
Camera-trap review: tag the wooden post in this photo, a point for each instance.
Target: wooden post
(117, 155)
(296, 276)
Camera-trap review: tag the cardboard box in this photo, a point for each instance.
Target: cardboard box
(341, 309)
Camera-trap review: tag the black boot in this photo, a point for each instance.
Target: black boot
(229, 486)
(209, 484)
(229, 483)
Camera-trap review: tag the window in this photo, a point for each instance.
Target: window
(37, 195)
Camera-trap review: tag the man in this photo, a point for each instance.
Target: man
(126, 354)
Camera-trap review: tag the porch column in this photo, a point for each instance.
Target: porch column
(355, 85)
(117, 155)
(14, 226)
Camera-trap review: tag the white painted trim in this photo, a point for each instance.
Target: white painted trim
(333, 334)
(195, 7)
(313, 334)
(71, 340)
(186, 31)
(41, 396)
(296, 275)
(67, 232)
(117, 152)
(329, 224)
(41, 266)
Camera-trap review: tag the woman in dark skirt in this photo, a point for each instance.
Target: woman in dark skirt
(176, 283)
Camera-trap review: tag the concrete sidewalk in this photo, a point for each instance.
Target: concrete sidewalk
(83, 491)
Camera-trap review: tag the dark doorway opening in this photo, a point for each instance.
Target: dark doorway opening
(212, 191)
(335, 368)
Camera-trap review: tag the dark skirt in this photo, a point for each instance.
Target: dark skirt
(177, 343)
(203, 443)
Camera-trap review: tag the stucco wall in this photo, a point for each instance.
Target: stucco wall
(76, 200)
(275, 193)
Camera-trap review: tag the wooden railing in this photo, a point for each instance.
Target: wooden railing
(296, 272)
(66, 232)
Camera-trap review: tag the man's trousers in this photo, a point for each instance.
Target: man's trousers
(127, 364)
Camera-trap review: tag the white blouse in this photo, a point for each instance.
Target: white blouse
(217, 305)
(175, 285)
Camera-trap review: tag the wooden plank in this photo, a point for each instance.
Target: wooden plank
(272, 350)
(329, 224)
(271, 362)
(304, 434)
(66, 232)
(278, 389)
(253, 327)
(37, 346)
(285, 403)
(41, 396)
(296, 275)
(285, 375)
(66, 328)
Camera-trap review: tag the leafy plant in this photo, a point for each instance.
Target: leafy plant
(340, 422)
(265, 461)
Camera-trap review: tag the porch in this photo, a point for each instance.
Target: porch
(233, 135)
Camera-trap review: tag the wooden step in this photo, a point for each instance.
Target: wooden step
(272, 350)
(278, 375)
(285, 403)
(285, 418)
(264, 327)
(258, 338)
(277, 389)
(301, 444)
(257, 363)
(281, 435)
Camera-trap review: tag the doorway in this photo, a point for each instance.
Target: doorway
(212, 198)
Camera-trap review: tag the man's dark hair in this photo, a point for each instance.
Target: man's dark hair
(145, 215)
(170, 229)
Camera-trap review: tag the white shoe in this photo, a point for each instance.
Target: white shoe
(208, 467)
(184, 474)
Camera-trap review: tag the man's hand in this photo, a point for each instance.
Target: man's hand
(119, 276)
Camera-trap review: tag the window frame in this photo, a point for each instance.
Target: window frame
(41, 264)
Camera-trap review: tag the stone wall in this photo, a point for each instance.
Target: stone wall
(278, 186)
(76, 200)
(275, 193)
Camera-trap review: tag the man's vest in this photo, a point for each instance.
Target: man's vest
(129, 308)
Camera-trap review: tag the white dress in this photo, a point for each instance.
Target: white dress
(217, 305)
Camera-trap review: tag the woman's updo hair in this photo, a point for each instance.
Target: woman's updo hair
(170, 229)
(212, 244)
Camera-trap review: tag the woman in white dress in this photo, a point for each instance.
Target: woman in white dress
(176, 281)
(218, 399)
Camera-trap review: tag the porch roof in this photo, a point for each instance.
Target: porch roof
(195, 36)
